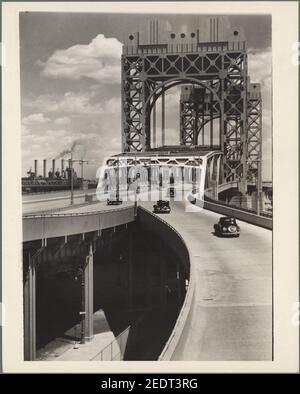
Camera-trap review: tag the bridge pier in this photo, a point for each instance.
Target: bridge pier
(88, 296)
(30, 310)
(34, 256)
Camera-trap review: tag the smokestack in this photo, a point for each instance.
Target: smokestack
(35, 168)
(53, 166)
(62, 165)
(70, 167)
(45, 168)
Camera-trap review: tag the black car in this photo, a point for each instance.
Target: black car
(227, 227)
(111, 201)
(171, 192)
(162, 206)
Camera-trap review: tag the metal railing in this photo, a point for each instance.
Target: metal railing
(115, 350)
(42, 227)
(87, 213)
(182, 47)
(238, 207)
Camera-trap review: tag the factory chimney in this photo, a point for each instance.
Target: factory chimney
(53, 167)
(35, 168)
(45, 168)
(62, 165)
(70, 168)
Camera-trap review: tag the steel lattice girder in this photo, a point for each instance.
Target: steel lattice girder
(254, 134)
(196, 112)
(144, 75)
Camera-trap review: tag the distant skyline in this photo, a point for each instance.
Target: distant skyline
(70, 80)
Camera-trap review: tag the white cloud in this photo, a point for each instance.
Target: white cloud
(260, 65)
(51, 142)
(98, 140)
(99, 60)
(62, 121)
(35, 119)
(113, 106)
(70, 102)
(77, 103)
(260, 71)
(173, 98)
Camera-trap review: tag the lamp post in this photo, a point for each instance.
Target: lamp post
(81, 162)
(80, 273)
(72, 179)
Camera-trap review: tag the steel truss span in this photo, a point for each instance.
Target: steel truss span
(216, 93)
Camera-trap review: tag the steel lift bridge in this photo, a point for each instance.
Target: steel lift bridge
(220, 109)
(220, 124)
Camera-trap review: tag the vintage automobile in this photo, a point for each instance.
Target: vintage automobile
(171, 192)
(162, 206)
(114, 201)
(227, 226)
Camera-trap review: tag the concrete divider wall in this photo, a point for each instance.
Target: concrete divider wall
(241, 215)
(171, 236)
(58, 225)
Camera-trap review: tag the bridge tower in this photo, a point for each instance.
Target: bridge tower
(216, 92)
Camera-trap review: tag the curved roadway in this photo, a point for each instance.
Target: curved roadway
(231, 312)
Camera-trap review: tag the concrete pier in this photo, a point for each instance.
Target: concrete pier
(88, 296)
(30, 310)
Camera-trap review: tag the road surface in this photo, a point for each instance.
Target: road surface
(231, 315)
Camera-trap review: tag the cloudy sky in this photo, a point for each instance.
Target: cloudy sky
(70, 80)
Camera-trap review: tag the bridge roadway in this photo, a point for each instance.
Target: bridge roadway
(231, 310)
(40, 202)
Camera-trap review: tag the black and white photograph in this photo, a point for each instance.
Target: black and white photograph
(146, 185)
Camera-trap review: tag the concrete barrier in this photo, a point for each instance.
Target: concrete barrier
(38, 227)
(239, 214)
(172, 237)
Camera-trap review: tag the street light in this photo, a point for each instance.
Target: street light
(72, 179)
(81, 162)
(80, 274)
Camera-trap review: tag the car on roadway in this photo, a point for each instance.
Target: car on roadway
(114, 201)
(162, 206)
(227, 227)
(171, 192)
